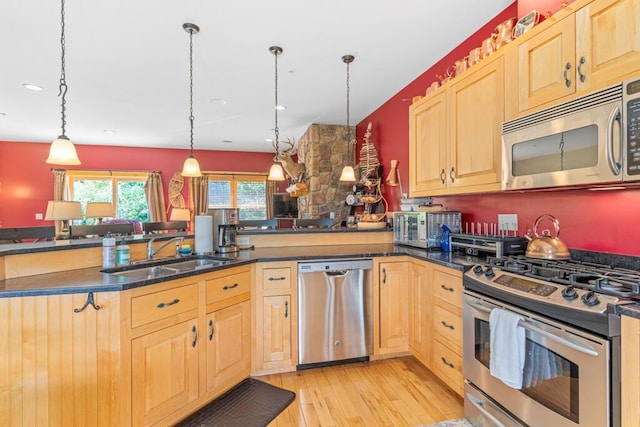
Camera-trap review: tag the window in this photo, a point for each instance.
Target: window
(124, 189)
(246, 192)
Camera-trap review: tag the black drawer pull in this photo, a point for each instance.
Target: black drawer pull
(286, 309)
(195, 336)
(271, 279)
(167, 304)
(447, 363)
(447, 289)
(211, 329)
(225, 288)
(446, 325)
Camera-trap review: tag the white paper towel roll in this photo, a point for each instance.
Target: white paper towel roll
(203, 234)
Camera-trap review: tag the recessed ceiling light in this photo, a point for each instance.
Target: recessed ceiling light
(218, 101)
(3, 114)
(280, 107)
(109, 131)
(269, 140)
(33, 87)
(227, 141)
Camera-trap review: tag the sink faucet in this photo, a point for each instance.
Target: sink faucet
(151, 251)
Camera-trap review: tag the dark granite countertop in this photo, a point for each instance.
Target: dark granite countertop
(631, 310)
(93, 280)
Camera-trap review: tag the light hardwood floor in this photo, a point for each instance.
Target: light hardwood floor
(391, 392)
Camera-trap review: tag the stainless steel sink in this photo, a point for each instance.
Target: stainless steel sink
(146, 273)
(197, 264)
(151, 269)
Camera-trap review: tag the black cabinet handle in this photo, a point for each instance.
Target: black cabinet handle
(452, 174)
(443, 176)
(195, 336)
(167, 304)
(384, 275)
(447, 289)
(580, 64)
(271, 279)
(227, 287)
(446, 325)
(567, 67)
(449, 364)
(286, 309)
(211, 329)
(90, 302)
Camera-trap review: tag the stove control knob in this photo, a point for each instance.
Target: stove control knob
(477, 269)
(489, 272)
(590, 299)
(569, 293)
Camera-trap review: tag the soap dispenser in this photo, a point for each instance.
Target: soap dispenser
(123, 256)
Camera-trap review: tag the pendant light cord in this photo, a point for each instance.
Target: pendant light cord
(63, 80)
(191, 118)
(275, 107)
(348, 127)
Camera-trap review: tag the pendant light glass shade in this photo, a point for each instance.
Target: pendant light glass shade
(276, 173)
(191, 167)
(63, 152)
(348, 174)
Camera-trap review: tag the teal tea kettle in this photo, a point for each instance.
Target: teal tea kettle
(444, 239)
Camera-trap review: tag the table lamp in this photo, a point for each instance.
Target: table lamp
(58, 210)
(180, 214)
(100, 210)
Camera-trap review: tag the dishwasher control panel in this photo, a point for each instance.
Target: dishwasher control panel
(335, 265)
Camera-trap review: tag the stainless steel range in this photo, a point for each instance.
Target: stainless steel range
(569, 311)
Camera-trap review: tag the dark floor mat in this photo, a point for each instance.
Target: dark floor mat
(250, 403)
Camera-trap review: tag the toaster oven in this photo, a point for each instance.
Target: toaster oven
(423, 229)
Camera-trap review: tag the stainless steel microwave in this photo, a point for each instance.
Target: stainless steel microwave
(423, 229)
(590, 140)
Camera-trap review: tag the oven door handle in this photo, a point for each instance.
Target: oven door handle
(479, 404)
(588, 350)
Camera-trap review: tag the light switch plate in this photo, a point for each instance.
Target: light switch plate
(507, 222)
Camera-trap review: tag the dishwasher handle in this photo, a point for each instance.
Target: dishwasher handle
(337, 273)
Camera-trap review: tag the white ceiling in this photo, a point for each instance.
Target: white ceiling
(127, 65)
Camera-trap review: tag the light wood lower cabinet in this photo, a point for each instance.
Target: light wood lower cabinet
(59, 367)
(392, 303)
(275, 324)
(630, 375)
(420, 315)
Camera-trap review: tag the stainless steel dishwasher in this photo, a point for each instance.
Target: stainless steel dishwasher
(335, 322)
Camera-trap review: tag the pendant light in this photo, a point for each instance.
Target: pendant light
(276, 173)
(191, 166)
(348, 174)
(62, 150)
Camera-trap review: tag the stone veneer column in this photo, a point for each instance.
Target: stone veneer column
(323, 148)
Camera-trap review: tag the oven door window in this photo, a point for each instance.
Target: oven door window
(548, 378)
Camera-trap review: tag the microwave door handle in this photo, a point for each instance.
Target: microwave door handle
(614, 165)
(479, 404)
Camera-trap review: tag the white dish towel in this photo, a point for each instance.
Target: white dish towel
(507, 347)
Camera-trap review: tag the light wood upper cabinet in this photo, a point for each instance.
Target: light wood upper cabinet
(427, 145)
(393, 307)
(454, 134)
(608, 38)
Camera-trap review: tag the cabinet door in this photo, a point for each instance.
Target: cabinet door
(420, 324)
(427, 142)
(276, 330)
(164, 372)
(630, 375)
(476, 112)
(607, 41)
(228, 345)
(542, 65)
(394, 306)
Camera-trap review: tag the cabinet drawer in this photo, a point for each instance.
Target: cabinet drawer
(447, 362)
(276, 278)
(229, 286)
(159, 305)
(447, 287)
(449, 325)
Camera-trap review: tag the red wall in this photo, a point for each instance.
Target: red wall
(590, 220)
(542, 6)
(26, 181)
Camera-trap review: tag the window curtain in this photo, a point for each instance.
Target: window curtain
(198, 196)
(155, 197)
(272, 187)
(60, 192)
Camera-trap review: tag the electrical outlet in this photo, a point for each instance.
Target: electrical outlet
(332, 215)
(39, 216)
(244, 240)
(507, 222)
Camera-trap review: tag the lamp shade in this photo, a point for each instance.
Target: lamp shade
(180, 214)
(63, 152)
(99, 210)
(58, 210)
(348, 174)
(191, 167)
(276, 173)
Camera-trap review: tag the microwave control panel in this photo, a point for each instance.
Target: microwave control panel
(632, 125)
